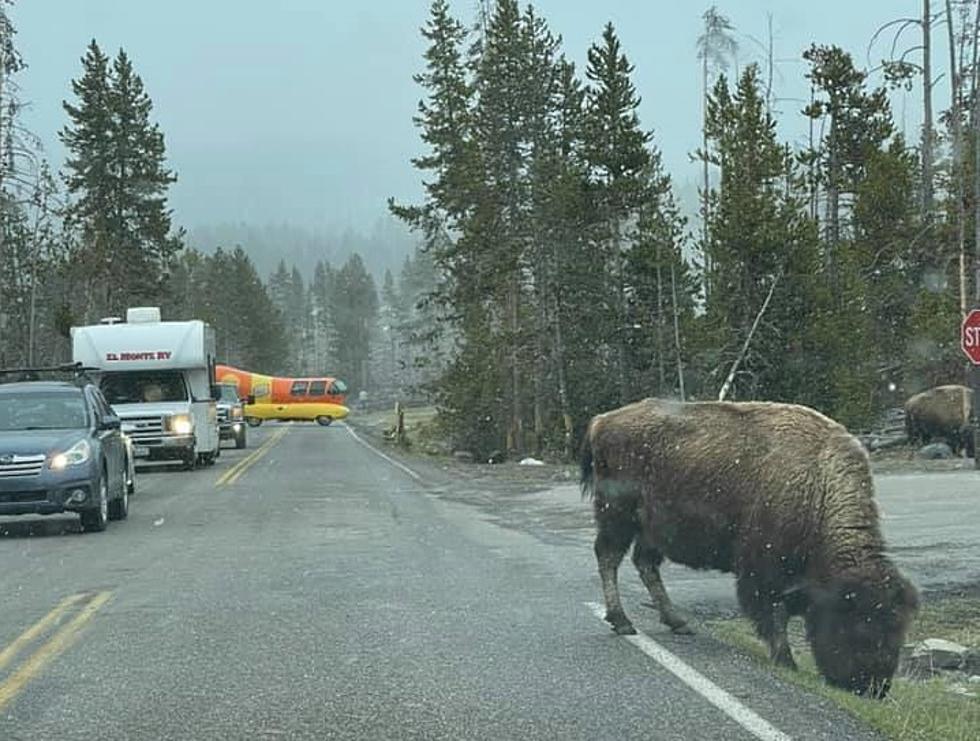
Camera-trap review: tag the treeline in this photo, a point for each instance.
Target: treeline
(569, 283)
(97, 238)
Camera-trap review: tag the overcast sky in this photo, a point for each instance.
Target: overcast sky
(300, 110)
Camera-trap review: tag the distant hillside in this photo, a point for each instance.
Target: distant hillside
(384, 246)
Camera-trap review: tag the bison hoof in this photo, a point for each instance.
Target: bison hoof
(620, 624)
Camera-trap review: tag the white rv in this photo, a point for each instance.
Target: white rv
(159, 378)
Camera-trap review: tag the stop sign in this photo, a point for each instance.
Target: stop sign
(970, 336)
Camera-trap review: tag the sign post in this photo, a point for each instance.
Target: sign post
(970, 342)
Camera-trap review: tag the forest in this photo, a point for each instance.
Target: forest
(553, 273)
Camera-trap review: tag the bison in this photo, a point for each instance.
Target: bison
(941, 412)
(777, 494)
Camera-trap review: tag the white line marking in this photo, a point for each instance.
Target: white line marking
(748, 719)
(392, 461)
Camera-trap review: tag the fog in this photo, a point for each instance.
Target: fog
(300, 111)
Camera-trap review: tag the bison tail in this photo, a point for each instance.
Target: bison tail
(588, 470)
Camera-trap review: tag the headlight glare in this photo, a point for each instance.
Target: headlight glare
(75, 455)
(181, 424)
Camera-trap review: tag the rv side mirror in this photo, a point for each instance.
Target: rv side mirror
(250, 399)
(216, 393)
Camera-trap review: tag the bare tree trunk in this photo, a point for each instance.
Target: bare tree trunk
(677, 334)
(517, 423)
(955, 109)
(976, 159)
(927, 111)
(566, 416)
(769, 66)
(661, 374)
(706, 183)
(727, 386)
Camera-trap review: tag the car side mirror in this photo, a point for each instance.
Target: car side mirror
(109, 422)
(216, 393)
(250, 399)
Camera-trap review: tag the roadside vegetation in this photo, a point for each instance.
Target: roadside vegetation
(915, 710)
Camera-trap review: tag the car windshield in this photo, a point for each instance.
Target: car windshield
(144, 387)
(229, 394)
(42, 411)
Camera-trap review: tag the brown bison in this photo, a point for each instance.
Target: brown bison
(777, 494)
(941, 412)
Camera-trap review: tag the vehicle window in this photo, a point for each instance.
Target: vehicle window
(298, 388)
(229, 393)
(141, 387)
(42, 411)
(318, 388)
(338, 387)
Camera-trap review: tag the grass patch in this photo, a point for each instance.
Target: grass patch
(421, 427)
(913, 710)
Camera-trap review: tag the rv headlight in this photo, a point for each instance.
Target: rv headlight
(75, 455)
(181, 424)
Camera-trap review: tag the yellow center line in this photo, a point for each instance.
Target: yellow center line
(232, 474)
(49, 650)
(29, 635)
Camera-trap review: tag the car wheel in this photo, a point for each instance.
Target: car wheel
(95, 520)
(324, 421)
(119, 508)
(240, 440)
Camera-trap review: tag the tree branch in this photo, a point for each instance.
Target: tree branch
(726, 387)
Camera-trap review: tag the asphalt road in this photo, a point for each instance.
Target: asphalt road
(315, 590)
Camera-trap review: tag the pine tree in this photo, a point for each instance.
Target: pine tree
(117, 175)
(617, 156)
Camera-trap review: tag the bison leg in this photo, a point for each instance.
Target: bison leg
(612, 541)
(770, 618)
(647, 560)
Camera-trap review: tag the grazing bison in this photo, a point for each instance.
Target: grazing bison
(941, 412)
(777, 494)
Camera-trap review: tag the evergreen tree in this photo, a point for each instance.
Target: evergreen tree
(355, 315)
(116, 173)
(616, 152)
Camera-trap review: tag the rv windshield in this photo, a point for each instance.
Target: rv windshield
(142, 387)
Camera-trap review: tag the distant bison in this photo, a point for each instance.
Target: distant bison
(941, 413)
(777, 494)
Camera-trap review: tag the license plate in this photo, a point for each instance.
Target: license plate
(140, 451)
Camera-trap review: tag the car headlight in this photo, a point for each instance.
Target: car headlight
(181, 424)
(78, 453)
(236, 413)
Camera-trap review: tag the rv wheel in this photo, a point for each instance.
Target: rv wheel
(253, 421)
(323, 420)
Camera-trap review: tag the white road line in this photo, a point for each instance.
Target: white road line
(392, 461)
(749, 720)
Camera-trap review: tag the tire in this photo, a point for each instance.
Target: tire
(190, 462)
(119, 508)
(240, 440)
(253, 421)
(324, 421)
(95, 520)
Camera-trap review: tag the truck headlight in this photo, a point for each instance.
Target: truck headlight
(77, 454)
(181, 424)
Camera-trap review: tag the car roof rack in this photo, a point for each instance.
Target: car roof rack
(77, 370)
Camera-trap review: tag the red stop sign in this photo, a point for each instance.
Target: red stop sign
(970, 336)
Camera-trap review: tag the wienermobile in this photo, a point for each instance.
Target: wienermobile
(317, 399)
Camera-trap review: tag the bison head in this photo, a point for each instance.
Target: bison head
(856, 627)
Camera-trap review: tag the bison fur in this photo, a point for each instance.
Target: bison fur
(777, 494)
(941, 413)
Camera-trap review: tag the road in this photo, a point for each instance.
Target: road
(310, 588)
